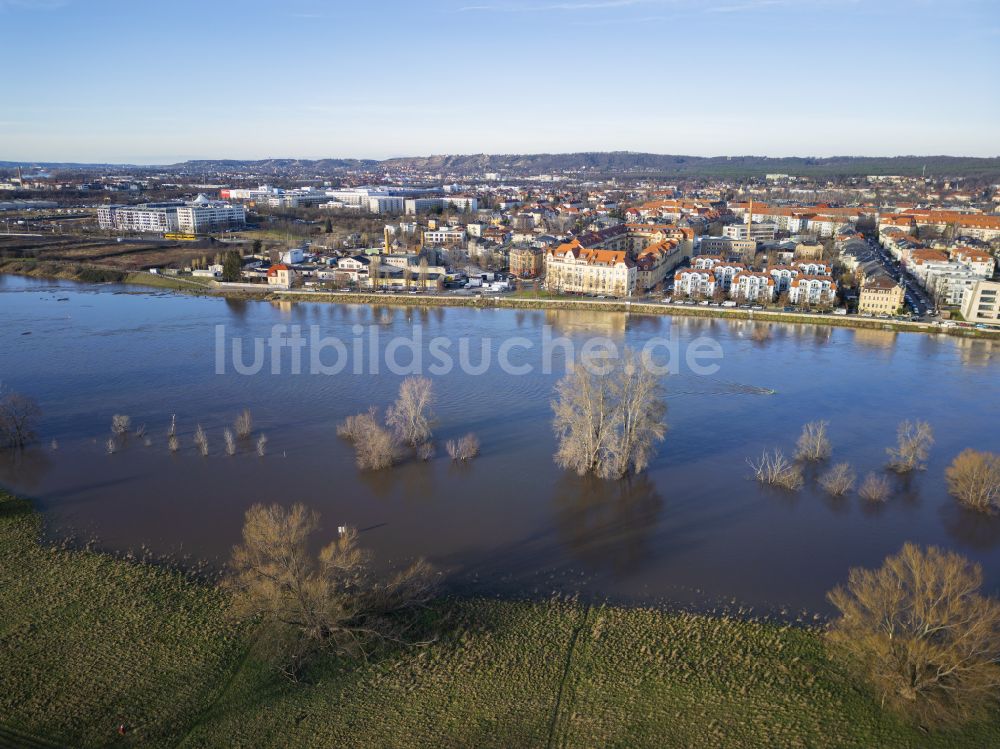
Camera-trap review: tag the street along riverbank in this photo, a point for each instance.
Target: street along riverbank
(92, 274)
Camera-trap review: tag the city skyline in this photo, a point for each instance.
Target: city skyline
(115, 83)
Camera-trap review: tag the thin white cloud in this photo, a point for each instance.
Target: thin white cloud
(569, 6)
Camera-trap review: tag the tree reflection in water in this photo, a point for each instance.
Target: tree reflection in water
(607, 525)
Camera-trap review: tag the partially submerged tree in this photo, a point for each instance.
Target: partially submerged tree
(813, 444)
(120, 425)
(913, 446)
(465, 448)
(838, 480)
(309, 603)
(375, 447)
(774, 469)
(18, 417)
(244, 424)
(974, 480)
(410, 416)
(922, 635)
(609, 425)
(875, 488)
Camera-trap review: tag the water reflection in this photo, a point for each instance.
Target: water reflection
(875, 338)
(24, 468)
(570, 322)
(607, 525)
(974, 351)
(975, 530)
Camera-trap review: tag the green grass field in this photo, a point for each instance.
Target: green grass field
(88, 641)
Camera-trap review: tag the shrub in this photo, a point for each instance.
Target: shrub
(974, 480)
(244, 424)
(230, 440)
(838, 480)
(261, 445)
(774, 469)
(464, 449)
(425, 451)
(201, 440)
(111, 445)
(913, 446)
(120, 424)
(875, 488)
(813, 444)
(173, 444)
(920, 633)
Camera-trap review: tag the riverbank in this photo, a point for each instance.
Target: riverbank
(89, 641)
(95, 274)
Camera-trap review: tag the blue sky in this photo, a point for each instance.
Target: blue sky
(158, 82)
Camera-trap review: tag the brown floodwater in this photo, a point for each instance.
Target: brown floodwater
(693, 529)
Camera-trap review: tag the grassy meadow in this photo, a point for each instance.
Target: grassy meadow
(88, 641)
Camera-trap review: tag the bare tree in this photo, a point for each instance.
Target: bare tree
(18, 416)
(465, 448)
(244, 424)
(813, 444)
(838, 480)
(331, 601)
(609, 425)
(919, 631)
(230, 441)
(774, 469)
(875, 488)
(425, 451)
(914, 440)
(262, 445)
(410, 416)
(974, 480)
(173, 444)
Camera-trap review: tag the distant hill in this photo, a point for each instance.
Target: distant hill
(598, 163)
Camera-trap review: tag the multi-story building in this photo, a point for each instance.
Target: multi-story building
(202, 215)
(979, 261)
(729, 247)
(655, 262)
(813, 290)
(880, 296)
(752, 287)
(149, 218)
(573, 268)
(526, 262)
(196, 217)
(756, 231)
(445, 236)
(981, 303)
(693, 282)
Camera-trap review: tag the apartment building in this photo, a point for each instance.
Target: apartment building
(573, 268)
(445, 236)
(752, 286)
(693, 282)
(199, 216)
(981, 303)
(813, 290)
(756, 231)
(880, 296)
(526, 262)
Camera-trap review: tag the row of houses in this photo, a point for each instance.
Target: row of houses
(713, 276)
